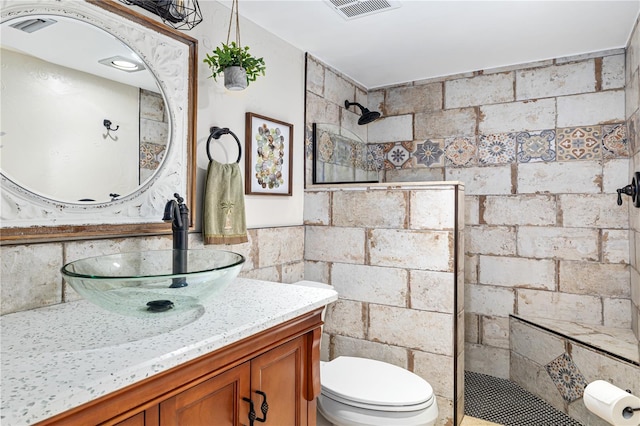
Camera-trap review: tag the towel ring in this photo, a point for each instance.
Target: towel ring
(216, 132)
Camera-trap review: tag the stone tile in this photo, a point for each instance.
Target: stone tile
(568, 177)
(497, 148)
(533, 343)
(348, 346)
(615, 174)
(472, 209)
(460, 151)
(561, 243)
(370, 209)
(616, 312)
(325, 344)
(315, 76)
(632, 92)
(613, 72)
(406, 249)
(432, 291)
(30, 277)
(152, 106)
(483, 180)
(517, 116)
(518, 272)
(495, 332)
(317, 208)
(489, 300)
(415, 174)
(535, 379)
(471, 263)
(557, 80)
(497, 240)
(437, 370)
(320, 110)
(615, 246)
(519, 210)
(579, 143)
(337, 88)
(316, 271)
(532, 147)
(430, 153)
(487, 360)
(432, 209)
(479, 90)
(471, 328)
(422, 330)
(560, 306)
(591, 211)
(592, 108)
(270, 273)
(598, 366)
(614, 141)
(445, 411)
(388, 286)
(334, 244)
(292, 272)
(590, 278)
(280, 245)
(413, 99)
(577, 410)
(391, 129)
(444, 124)
(346, 318)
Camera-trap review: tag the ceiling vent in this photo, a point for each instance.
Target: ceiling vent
(33, 24)
(351, 9)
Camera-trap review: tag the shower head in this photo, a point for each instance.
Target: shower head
(366, 115)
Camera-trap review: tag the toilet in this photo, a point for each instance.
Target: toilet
(366, 392)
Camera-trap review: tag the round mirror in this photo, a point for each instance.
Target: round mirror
(83, 118)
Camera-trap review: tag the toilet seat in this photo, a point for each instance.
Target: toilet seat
(374, 385)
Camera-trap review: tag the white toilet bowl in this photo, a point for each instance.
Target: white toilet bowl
(366, 392)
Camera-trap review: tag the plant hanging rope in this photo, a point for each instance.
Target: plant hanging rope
(234, 7)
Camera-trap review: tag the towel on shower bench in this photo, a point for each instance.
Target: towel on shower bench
(224, 220)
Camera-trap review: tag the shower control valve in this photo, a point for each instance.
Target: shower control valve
(632, 190)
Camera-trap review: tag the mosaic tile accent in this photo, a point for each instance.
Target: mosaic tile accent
(325, 147)
(579, 143)
(460, 151)
(497, 148)
(397, 155)
(568, 379)
(614, 141)
(151, 155)
(430, 153)
(375, 157)
(536, 146)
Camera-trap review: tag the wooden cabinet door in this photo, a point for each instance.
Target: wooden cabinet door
(279, 374)
(214, 402)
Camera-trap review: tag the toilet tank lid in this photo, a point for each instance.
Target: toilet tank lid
(373, 382)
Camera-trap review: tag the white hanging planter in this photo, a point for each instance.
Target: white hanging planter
(235, 78)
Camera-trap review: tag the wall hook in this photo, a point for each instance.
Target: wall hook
(632, 190)
(107, 123)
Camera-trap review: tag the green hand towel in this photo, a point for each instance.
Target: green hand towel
(224, 219)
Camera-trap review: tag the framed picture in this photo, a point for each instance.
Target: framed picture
(269, 156)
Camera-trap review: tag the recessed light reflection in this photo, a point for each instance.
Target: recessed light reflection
(122, 63)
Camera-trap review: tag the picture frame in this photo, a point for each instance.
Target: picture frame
(269, 156)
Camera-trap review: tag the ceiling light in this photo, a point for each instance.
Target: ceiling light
(33, 24)
(123, 64)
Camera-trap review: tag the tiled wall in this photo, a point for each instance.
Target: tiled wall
(31, 273)
(154, 133)
(633, 124)
(557, 369)
(541, 149)
(394, 254)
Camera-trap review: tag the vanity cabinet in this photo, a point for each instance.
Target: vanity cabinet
(281, 363)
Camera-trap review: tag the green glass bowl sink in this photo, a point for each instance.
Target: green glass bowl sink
(149, 283)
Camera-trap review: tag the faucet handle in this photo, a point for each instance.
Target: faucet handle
(179, 198)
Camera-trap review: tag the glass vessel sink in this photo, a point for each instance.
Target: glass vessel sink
(149, 283)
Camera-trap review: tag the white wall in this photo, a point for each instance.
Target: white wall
(278, 95)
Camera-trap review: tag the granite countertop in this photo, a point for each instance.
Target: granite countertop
(59, 357)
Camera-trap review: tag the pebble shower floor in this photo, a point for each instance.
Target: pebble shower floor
(504, 402)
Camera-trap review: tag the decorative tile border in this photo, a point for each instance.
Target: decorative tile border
(614, 141)
(536, 146)
(151, 155)
(579, 143)
(568, 379)
(430, 153)
(497, 148)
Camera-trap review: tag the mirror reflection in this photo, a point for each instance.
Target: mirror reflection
(340, 156)
(83, 119)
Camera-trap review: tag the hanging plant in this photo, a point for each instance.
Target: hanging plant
(234, 61)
